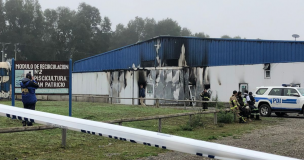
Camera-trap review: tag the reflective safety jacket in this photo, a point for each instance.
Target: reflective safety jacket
(28, 88)
(205, 96)
(233, 102)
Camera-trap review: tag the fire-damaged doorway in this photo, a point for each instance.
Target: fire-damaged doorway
(149, 88)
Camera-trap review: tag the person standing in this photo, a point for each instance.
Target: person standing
(28, 88)
(142, 95)
(205, 97)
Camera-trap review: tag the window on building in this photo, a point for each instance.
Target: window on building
(267, 70)
(276, 92)
(172, 62)
(261, 91)
(267, 74)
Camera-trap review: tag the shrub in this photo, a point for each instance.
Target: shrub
(223, 117)
(195, 122)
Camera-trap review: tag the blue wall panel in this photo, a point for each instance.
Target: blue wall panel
(198, 52)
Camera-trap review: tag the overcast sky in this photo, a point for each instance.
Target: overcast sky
(264, 19)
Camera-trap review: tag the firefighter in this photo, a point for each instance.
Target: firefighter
(255, 109)
(234, 106)
(244, 110)
(205, 97)
(250, 102)
(28, 87)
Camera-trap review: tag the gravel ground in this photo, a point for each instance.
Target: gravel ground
(285, 139)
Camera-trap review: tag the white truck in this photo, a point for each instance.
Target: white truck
(280, 100)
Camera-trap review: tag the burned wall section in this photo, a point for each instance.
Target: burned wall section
(170, 83)
(160, 84)
(115, 85)
(185, 75)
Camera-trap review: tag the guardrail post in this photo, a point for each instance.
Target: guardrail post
(64, 132)
(132, 101)
(111, 100)
(159, 125)
(157, 103)
(215, 118)
(185, 105)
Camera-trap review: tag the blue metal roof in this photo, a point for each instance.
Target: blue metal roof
(199, 52)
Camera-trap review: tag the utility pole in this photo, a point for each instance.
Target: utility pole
(16, 50)
(3, 47)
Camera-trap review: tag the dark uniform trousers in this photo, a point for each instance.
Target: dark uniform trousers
(31, 107)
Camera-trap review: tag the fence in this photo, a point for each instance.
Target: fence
(160, 117)
(159, 140)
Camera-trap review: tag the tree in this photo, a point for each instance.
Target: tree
(168, 27)
(201, 35)
(226, 37)
(25, 25)
(2, 20)
(237, 37)
(149, 29)
(132, 33)
(185, 32)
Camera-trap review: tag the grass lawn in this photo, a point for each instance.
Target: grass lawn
(47, 144)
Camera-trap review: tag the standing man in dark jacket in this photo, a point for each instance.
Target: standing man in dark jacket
(28, 87)
(205, 97)
(142, 95)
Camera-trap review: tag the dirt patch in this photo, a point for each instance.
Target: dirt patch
(284, 139)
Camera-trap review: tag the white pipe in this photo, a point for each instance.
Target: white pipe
(149, 138)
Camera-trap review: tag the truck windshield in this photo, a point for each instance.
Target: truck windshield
(301, 90)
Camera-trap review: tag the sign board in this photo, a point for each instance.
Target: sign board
(52, 77)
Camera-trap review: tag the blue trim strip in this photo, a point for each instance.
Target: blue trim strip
(290, 101)
(199, 154)
(210, 156)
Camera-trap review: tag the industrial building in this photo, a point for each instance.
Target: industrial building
(181, 67)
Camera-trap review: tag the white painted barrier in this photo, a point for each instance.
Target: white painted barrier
(154, 139)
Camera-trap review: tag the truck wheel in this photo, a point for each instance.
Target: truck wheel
(280, 114)
(265, 110)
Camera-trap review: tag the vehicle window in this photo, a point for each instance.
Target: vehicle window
(276, 92)
(289, 92)
(301, 90)
(261, 91)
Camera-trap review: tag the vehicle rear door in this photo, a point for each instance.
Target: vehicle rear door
(275, 96)
(289, 101)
